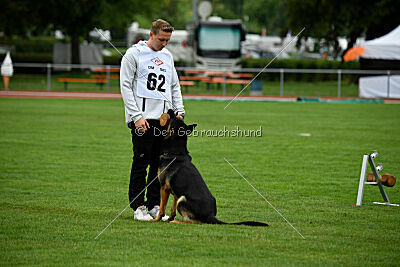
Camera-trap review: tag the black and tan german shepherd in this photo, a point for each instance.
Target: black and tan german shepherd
(178, 175)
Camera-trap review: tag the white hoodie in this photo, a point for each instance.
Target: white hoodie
(132, 73)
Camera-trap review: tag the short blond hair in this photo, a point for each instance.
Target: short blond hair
(161, 25)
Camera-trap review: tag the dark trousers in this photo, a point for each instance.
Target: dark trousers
(146, 152)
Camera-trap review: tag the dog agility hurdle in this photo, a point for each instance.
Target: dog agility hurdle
(374, 179)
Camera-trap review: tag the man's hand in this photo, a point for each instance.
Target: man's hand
(142, 125)
(179, 117)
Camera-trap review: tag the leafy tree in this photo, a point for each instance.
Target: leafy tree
(18, 17)
(329, 20)
(117, 15)
(78, 17)
(267, 14)
(74, 17)
(386, 18)
(176, 12)
(228, 9)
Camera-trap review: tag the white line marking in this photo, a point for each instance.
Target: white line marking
(304, 134)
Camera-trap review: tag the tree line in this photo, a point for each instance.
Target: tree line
(322, 19)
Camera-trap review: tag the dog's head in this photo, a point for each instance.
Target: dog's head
(177, 132)
(176, 127)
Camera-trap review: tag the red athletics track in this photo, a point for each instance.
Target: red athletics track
(49, 94)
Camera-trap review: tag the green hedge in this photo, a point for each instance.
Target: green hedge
(112, 60)
(301, 64)
(32, 57)
(48, 58)
(31, 45)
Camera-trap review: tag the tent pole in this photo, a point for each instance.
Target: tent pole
(388, 83)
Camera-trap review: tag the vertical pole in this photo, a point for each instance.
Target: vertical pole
(339, 83)
(362, 180)
(108, 78)
(194, 11)
(224, 84)
(282, 80)
(388, 83)
(48, 77)
(378, 180)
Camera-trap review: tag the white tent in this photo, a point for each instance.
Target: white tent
(380, 86)
(384, 47)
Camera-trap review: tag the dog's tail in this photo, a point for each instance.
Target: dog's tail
(250, 223)
(214, 220)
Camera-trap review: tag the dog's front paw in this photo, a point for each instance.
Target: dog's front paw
(158, 218)
(171, 218)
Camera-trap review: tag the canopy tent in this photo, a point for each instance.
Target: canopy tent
(379, 86)
(381, 53)
(386, 47)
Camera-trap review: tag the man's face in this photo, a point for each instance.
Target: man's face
(160, 40)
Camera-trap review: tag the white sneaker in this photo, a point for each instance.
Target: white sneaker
(141, 214)
(154, 213)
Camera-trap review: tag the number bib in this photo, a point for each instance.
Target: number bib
(154, 75)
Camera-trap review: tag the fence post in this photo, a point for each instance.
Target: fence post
(339, 82)
(388, 83)
(48, 77)
(224, 85)
(108, 78)
(282, 81)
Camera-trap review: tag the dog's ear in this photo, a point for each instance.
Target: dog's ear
(171, 113)
(164, 119)
(190, 128)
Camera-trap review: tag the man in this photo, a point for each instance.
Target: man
(149, 87)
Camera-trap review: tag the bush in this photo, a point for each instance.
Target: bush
(299, 64)
(31, 45)
(112, 60)
(32, 57)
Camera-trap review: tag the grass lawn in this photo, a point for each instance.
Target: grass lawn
(38, 82)
(64, 173)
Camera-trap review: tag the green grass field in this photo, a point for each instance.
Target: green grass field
(64, 174)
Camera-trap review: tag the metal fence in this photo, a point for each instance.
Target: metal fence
(49, 70)
(339, 73)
